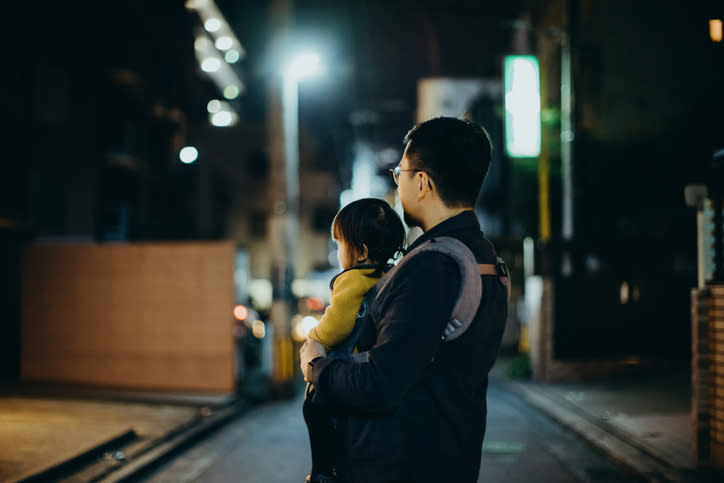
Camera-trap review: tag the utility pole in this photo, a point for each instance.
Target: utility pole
(544, 207)
(567, 119)
(284, 202)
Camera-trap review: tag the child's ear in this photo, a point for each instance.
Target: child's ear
(363, 254)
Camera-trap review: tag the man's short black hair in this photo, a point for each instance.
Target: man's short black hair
(455, 153)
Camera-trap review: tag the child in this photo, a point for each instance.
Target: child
(368, 233)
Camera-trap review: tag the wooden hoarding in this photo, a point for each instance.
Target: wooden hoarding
(143, 315)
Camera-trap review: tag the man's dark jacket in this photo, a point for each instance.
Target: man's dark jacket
(415, 410)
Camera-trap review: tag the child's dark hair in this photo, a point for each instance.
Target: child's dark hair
(371, 223)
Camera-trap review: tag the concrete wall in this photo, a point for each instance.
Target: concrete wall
(144, 315)
(540, 296)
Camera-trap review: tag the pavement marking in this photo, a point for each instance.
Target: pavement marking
(503, 447)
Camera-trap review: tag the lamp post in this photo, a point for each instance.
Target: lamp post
(284, 219)
(301, 66)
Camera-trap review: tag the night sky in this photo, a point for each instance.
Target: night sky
(377, 51)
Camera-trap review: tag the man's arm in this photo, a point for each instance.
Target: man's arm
(414, 313)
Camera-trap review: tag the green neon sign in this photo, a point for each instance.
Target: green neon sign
(522, 106)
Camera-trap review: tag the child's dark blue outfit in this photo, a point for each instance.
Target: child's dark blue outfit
(334, 329)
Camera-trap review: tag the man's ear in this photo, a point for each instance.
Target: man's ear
(424, 185)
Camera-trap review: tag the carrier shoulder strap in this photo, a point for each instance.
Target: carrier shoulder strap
(347, 346)
(471, 290)
(471, 286)
(501, 270)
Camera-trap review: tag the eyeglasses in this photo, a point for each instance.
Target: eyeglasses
(396, 171)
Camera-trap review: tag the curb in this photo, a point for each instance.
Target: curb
(173, 443)
(620, 447)
(61, 469)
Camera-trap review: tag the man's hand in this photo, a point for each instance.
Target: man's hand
(310, 351)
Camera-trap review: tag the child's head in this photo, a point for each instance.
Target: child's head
(368, 231)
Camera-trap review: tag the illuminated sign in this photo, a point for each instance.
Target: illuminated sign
(522, 106)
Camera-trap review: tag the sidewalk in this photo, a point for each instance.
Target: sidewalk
(54, 432)
(643, 424)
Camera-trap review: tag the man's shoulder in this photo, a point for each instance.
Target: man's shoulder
(423, 267)
(425, 256)
(450, 243)
(481, 246)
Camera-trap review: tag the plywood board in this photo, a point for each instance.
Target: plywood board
(146, 315)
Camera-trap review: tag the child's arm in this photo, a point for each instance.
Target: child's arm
(338, 320)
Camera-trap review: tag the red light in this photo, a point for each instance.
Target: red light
(314, 303)
(241, 312)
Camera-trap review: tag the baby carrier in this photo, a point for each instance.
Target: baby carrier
(468, 298)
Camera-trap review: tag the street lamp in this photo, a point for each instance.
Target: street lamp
(302, 66)
(284, 220)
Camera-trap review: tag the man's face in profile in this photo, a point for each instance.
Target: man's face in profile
(405, 191)
(410, 220)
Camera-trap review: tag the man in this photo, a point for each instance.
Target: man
(413, 407)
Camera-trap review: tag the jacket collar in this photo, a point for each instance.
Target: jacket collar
(356, 267)
(465, 221)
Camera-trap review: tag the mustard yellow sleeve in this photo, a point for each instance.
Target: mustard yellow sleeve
(338, 320)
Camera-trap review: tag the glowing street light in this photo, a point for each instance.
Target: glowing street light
(284, 194)
(304, 66)
(301, 66)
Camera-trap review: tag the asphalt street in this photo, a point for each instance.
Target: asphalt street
(269, 445)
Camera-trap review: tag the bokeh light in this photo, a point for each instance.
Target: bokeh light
(212, 24)
(231, 92)
(232, 56)
(213, 106)
(241, 312)
(222, 119)
(210, 65)
(224, 43)
(188, 154)
(258, 329)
